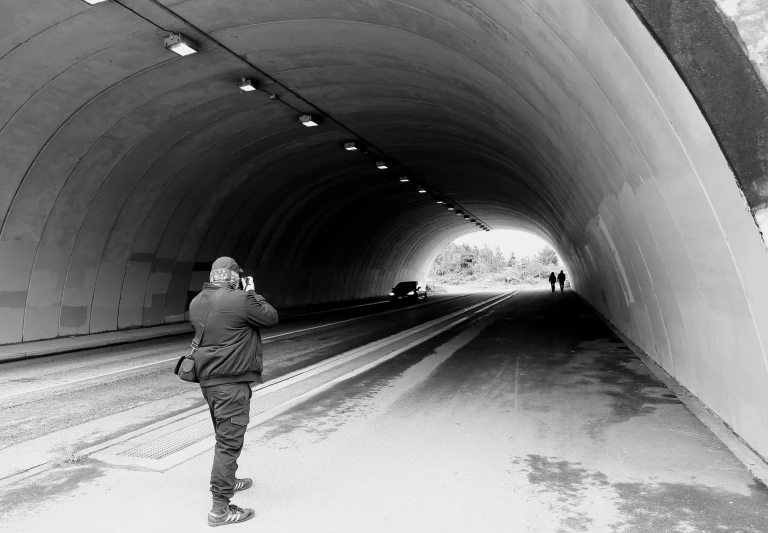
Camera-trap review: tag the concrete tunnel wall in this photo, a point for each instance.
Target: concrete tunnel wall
(125, 170)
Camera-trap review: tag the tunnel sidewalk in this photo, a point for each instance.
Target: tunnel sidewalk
(41, 348)
(29, 350)
(534, 417)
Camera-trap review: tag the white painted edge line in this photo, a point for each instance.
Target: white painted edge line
(752, 460)
(273, 385)
(379, 302)
(287, 333)
(207, 443)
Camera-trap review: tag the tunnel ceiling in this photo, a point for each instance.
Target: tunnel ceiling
(126, 169)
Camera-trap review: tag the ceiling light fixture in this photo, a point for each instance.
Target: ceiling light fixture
(94, 2)
(246, 85)
(450, 207)
(350, 147)
(440, 202)
(473, 221)
(381, 165)
(422, 190)
(308, 121)
(179, 43)
(403, 179)
(466, 217)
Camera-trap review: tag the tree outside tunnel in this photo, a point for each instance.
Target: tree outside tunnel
(477, 260)
(630, 134)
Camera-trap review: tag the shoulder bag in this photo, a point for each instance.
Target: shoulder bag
(185, 367)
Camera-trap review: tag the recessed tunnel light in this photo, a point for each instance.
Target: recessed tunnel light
(422, 190)
(473, 221)
(179, 43)
(403, 179)
(466, 217)
(450, 207)
(94, 2)
(350, 147)
(247, 85)
(440, 202)
(381, 165)
(308, 121)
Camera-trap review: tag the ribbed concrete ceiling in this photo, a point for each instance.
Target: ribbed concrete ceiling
(125, 169)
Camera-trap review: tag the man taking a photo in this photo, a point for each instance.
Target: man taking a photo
(227, 362)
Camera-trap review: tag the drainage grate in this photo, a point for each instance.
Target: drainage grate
(194, 433)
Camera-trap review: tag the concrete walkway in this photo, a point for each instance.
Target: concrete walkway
(534, 418)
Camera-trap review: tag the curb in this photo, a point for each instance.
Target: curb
(61, 345)
(140, 335)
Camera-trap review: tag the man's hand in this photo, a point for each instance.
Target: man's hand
(247, 283)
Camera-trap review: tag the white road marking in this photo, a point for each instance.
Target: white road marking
(72, 382)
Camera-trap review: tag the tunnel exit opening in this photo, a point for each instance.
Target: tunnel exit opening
(503, 259)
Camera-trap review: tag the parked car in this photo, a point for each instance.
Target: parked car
(406, 291)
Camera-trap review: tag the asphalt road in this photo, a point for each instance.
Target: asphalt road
(47, 395)
(529, 417)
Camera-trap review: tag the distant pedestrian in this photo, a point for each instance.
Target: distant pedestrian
(561, 280)
(227, 361)
(552, 280)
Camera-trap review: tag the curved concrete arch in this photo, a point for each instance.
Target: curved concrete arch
(596, 124)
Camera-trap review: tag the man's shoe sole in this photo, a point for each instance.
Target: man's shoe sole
(217, 524)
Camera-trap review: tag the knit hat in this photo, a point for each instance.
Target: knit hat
(225, 270)
(228, 263)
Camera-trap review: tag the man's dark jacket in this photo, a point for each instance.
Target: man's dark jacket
(230, 351)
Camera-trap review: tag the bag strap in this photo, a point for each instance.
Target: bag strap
(203, 319)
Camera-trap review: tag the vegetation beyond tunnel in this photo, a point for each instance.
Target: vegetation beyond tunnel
(125, 169)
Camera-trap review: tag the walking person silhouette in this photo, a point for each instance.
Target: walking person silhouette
(561, 279)
(552, 280)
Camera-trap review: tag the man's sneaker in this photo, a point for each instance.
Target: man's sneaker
(243, 484)
(233, 515)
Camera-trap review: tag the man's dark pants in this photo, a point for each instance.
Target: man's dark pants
(230, 405)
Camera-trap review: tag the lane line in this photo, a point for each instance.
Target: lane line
(72, 382)
(517, 381)
(276, 383)
(182, 422)
(461, 295)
